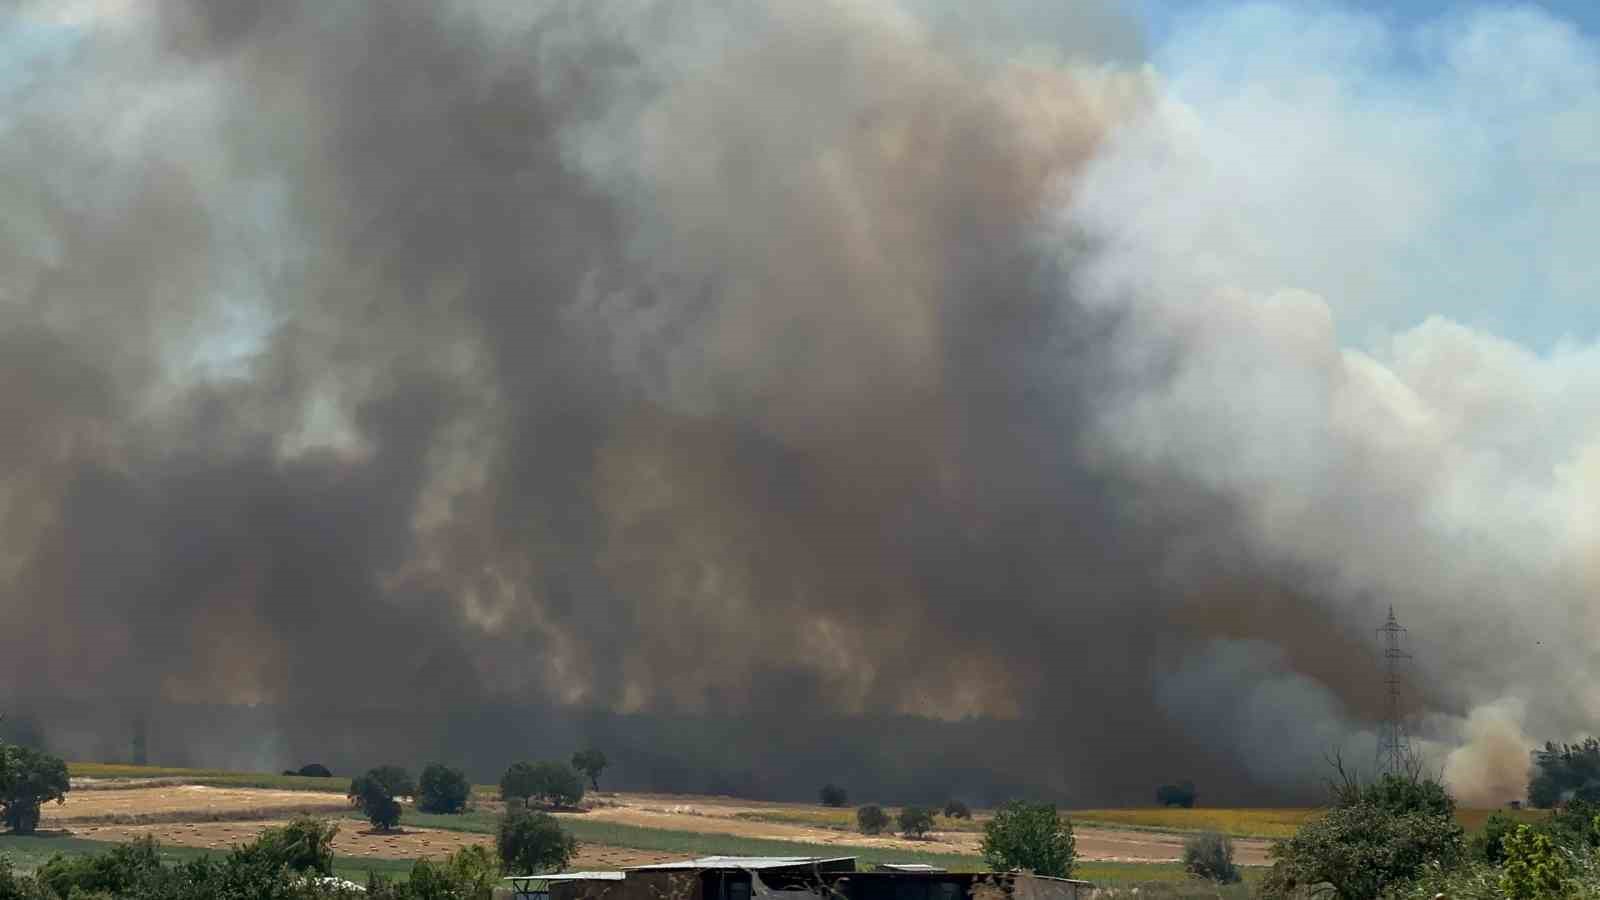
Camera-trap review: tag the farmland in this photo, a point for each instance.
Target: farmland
(195, 811)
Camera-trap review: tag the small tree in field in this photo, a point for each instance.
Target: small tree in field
(371, 793)
(955, 809)
(915, 822)
(442, 790)
(1210, 856)
(1181, 794)
(833, 795)
(871, 819)
(533, 842)
(1030, 836)
(29, 779)
(551, 783)
(591, 763)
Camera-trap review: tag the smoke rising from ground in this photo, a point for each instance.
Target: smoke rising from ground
(783, 362)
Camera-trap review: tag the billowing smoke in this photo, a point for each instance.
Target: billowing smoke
(796, 364)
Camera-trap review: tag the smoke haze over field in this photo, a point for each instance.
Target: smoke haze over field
(794, 364)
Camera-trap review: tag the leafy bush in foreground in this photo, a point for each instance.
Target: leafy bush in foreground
(1210, 856)
(1030, 836)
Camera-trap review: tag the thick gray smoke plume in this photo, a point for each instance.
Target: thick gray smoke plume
(766, 361)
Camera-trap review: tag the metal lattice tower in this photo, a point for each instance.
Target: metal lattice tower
(1394, 746)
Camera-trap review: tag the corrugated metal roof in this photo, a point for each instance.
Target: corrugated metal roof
(908, 867)
(570, 876)
(743, 862)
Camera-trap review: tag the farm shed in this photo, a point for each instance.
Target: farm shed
(793, 878)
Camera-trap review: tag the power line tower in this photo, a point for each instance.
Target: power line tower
(1394, 746)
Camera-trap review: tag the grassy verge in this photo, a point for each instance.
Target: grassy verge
(28, 853)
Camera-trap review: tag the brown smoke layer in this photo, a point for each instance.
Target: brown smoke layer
(652, 360)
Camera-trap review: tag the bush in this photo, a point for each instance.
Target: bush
(1210, 856)
(833, 795)
(374, 796)
(915, 822)
(871, 819)
(314, 770)
(303, 845)
(1364, 849)
(955, 809)
(1488, 845)
(1030, 836)
(1181, 794)
(117, 872)
(443, 790)
(591, 763)
(29, 779)
(553, 784)
(467, 874)
(1535, 867)
(532, 842)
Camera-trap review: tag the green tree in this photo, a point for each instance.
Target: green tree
(833, 795)
(443, 790)
(553, 784)
(1565, 771)
(871, 819)
(303, 845)
(373, 794)
(915, 822)
(1535, 868)
(532, 842)
(29, 779)
(591, 763)
(1210, 856)
(394, 779)
(1181, 794)
(1377, 836)
(1031, 836)
(955, 809)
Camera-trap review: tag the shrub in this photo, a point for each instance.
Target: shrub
(314, 770)
(443, 790)
(1210, 856)
(304, 845)
(1030, 836)
(1488, 845)
(375, 798)
(532, 842)
(467, 874)
(871, 819)
(117, 872)
(833, 795)
(1181, 794)
(553, 784)
(29, 779)
(915, 822)
(1535, 868)
(955, 809)
(591, 763)
(1364, 850)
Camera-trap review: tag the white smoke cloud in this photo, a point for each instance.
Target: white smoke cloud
(1369, 247)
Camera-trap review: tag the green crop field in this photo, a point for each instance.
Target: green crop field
(209, 777)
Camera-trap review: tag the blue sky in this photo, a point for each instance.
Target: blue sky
(1160, 15)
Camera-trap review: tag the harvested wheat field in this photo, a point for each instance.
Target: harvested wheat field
(353, 840)
(186, 803)
(719, 815)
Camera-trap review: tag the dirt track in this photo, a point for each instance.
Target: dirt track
(218, 818)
